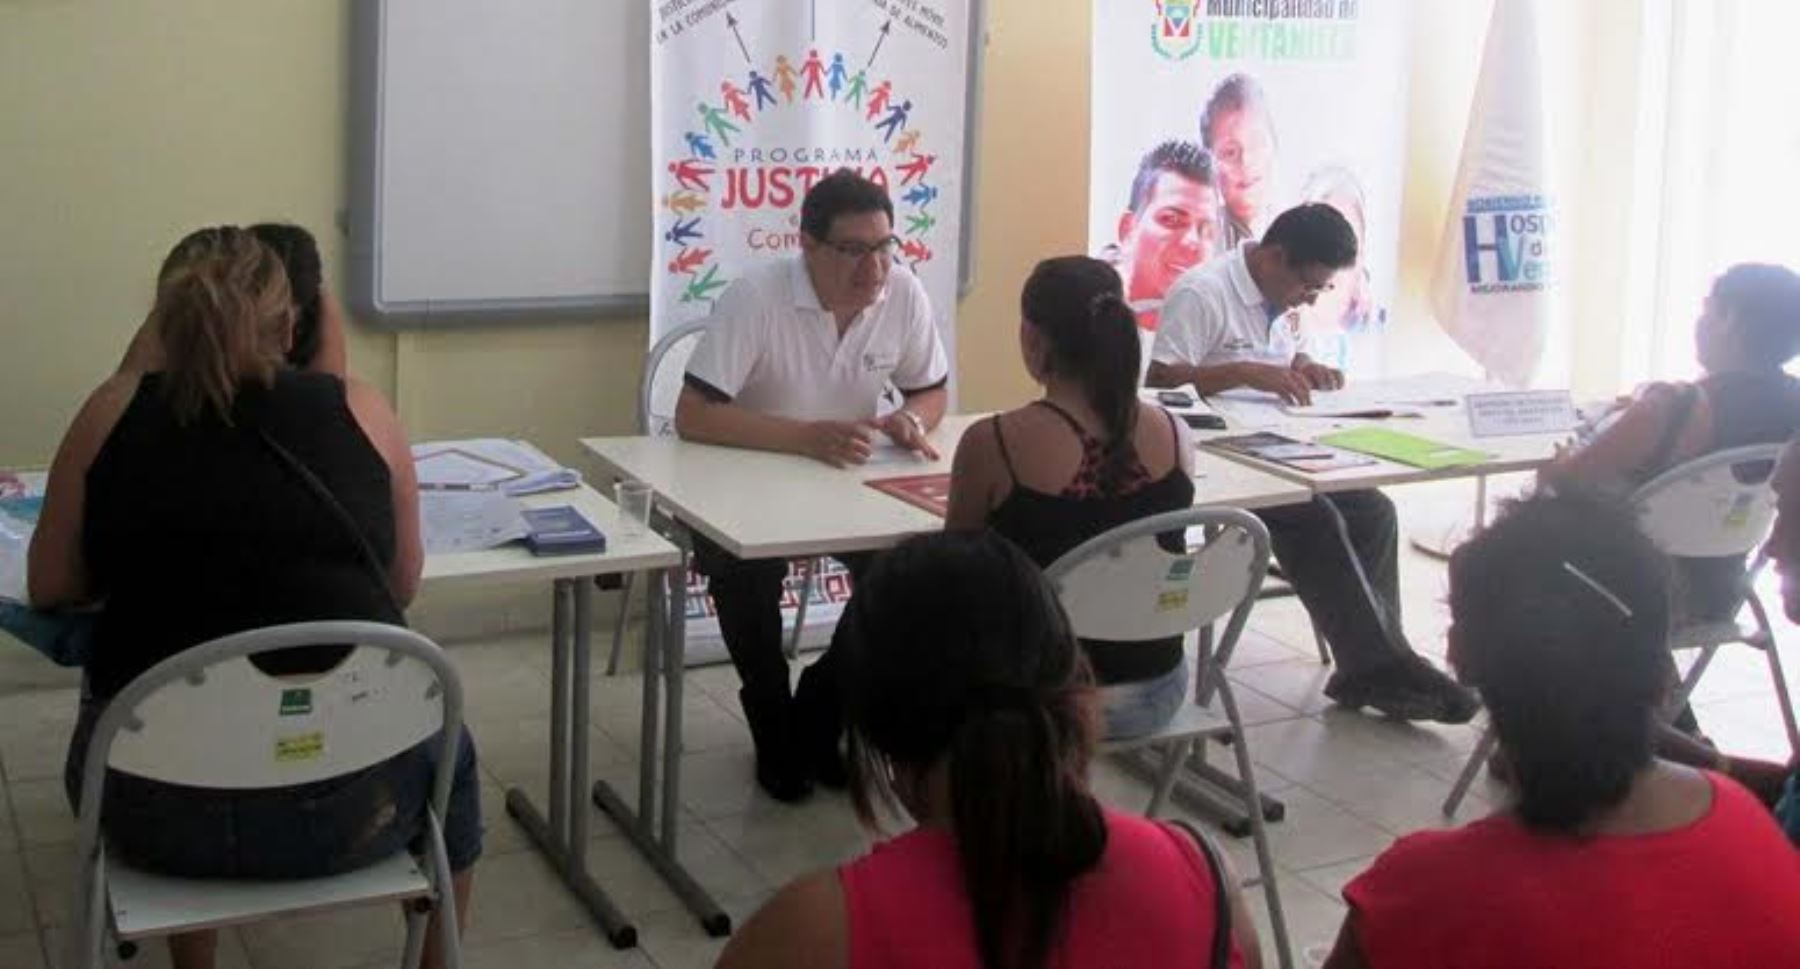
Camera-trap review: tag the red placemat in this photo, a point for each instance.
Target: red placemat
(928, 491)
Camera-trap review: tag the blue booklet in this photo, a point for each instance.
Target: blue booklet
(561, 530)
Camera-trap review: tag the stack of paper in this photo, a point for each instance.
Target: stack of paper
(490, 463)
(469, 521)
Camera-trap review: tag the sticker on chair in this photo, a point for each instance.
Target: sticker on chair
(299, 747)
(296, 702)
(1171, 600)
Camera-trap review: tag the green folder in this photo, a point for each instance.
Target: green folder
(1409, 449)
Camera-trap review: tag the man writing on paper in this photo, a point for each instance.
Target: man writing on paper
(1224, 326)
(796, 360)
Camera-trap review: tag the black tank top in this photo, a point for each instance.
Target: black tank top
(198, 531)
(1747, 408)
(1046, 526)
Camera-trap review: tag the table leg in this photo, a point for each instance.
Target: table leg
(664, 662)
(563, 837)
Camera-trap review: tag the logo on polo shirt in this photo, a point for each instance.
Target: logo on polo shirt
(879, 362)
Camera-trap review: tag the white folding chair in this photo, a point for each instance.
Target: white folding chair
(665, 373)
(1123, 586)
(208, 717)
(1716, 505)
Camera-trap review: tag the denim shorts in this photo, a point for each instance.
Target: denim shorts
(305, 831)
(1135, 708)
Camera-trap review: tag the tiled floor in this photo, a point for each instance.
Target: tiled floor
(1351, 785)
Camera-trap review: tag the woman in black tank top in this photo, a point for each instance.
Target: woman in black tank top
(174, 502)
(1749, 328)
(1087, 457)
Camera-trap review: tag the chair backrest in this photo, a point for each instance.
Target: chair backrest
(664, 372)
(1717, 505)
(1122, 585)
(207, 717)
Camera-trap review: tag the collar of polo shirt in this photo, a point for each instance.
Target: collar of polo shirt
(1242, 282)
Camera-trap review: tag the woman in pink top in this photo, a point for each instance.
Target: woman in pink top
(970, 706)
(1607, 856)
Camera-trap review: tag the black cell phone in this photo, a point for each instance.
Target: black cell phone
(1204, 421)
(1174, 398)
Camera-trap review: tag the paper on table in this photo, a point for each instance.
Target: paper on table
(1247, 409)
(468, 521)
(1409, 449)
(887, 454)
(515, 467)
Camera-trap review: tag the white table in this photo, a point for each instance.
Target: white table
(762, 505)
(562, 835)
(757, 504)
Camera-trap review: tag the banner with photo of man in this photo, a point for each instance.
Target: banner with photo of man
(1210, 117)
(753, 101)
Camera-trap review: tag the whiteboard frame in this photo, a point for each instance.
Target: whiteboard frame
(364, 214)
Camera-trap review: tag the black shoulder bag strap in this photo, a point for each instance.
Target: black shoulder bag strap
(365, 552)
(1221, 943)
(1658, 460)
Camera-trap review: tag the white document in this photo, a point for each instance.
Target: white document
(887, 454)
(469, 521)
(515, 467)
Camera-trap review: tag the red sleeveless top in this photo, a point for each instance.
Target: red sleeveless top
(1722, 892)
(1147, 905)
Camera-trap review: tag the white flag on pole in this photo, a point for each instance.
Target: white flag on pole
(1494, 286)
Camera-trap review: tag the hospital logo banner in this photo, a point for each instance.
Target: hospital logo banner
(1494, 288)
(1211, 117)
(752, 102)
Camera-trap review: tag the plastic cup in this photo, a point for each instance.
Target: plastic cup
(634, 499)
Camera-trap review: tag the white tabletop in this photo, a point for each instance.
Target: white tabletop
(514, 563)
(756, 504)
(1447, 423)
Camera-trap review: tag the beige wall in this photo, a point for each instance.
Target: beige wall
(125, 123)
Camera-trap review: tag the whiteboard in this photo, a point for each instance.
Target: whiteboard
(501, 164)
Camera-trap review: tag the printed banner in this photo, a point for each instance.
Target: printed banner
(755, 100)
(1213, 116)
(1493, 289)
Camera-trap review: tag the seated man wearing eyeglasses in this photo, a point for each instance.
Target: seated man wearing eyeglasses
(796, 359)
(1226, 325)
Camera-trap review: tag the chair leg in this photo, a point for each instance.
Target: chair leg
(1259, 831)
(1765, 635)
(612, 659)
(1685, 689)
(443, 883)
(808, 569)
(1484, 748)
(1174, 756)
(416, 921)
(1319, 641)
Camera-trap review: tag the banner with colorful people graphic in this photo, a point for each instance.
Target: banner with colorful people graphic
(1210, 117)
(755, 100)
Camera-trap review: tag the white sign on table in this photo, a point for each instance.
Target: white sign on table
(1521, 412)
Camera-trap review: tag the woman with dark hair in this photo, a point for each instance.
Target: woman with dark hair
(1084, 458)
(1606, 856)
(221, 492)
(318, 342)
(1749, 328)
(970, 708)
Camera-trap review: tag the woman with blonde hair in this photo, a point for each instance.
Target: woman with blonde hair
(220, 492)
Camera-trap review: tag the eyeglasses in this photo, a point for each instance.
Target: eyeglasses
(858, 251)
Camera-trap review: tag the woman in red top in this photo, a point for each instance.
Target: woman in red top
(1608, 857)
(970, 706)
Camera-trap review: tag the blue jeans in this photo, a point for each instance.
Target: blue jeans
(1134, 709)
(305, 831)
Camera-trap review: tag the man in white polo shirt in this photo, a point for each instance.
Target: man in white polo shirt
(796, 359)
(1225, 325)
